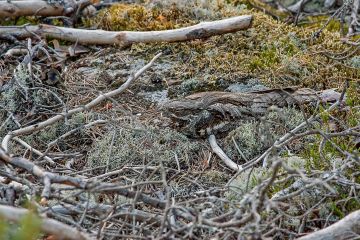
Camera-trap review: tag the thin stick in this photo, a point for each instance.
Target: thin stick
(38, 126)
(220, 153)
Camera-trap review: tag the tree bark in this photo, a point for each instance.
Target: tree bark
(124, 38)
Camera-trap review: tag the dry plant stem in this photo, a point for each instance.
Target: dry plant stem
(15, 52)
(289, 136)
(48, 178)
(41, 173)
(37, 152)
(346, 228)
(124, 38)
(38, 8)
(220, 153)
(38, 126)
(295, 8)
(86, 126)
(68, 209)
(48, 226)
(354, 18)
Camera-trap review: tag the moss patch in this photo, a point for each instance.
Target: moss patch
(276, 53)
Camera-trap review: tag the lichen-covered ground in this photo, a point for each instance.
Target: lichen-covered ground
(271, 53)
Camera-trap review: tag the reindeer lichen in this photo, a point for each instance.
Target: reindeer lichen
(137, 146)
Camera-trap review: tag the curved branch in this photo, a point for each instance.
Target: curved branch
(346, 228)
(83, 36)
(222, 155)
(93, 103)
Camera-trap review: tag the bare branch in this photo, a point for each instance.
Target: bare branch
(93, 103)
(346, 228)
(220, 153)
(124, 38)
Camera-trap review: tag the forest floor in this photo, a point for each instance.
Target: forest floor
(287, 185)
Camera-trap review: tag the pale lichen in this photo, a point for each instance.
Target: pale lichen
(253, 137)
(140, 146)
(245, 182)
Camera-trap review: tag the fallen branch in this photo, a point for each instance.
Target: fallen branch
(222, 155)
(93, 103)
(37, 152)
(124, 38)
(99, 209)
(346, 228)
(15, 52)
(48, 226)
(48, 178)
(39, 8)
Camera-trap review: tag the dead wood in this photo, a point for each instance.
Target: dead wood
(48, 178)
(346, 228)
(40, 8)
(48, 226)
(88, 106)
(124, 38)
(122, 212)
(296, 7)
(222, 155)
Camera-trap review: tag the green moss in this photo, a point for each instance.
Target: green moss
(323, 161)
(349, 118)
(28, 228)
(317, 22)
(135, 17)
(267, 58)
(352, 205)
(19, 21)
(337, 211)
(264, 50)
(334, 26)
